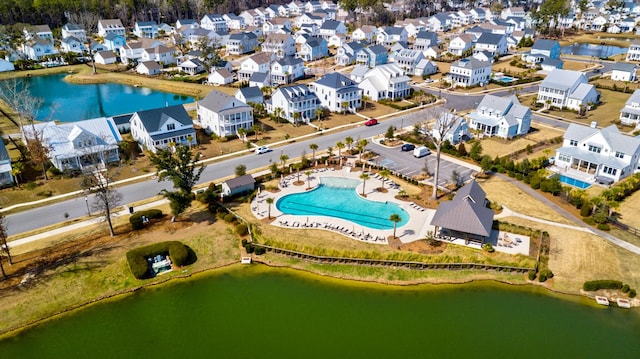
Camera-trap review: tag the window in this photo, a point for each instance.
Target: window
(564, 158)
(171, 126)
(573, 143)
(619, 154)
(609, 170)
(594, 149)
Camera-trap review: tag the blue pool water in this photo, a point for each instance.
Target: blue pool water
(507, 79)
(574, 182)
(337, 197)
(69, 102)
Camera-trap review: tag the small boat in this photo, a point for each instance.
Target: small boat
(602, 300)
(623, 303)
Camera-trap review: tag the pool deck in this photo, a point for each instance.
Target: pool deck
(417, 228)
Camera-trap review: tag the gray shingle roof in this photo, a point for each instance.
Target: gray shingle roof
(250, 92)
(562, 79)
(618, 141)
(471, 63)
(544, 44)
(335, 80)
(623, 66)
(466, 212)
(154, 119)
(330, 25)
(240, 181)
(488, 38)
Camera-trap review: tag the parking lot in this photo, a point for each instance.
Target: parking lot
(404, 163)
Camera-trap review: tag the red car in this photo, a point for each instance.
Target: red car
(371, 122)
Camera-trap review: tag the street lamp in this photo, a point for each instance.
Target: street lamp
(86, 201)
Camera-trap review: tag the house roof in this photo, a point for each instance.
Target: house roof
(106, 54)
(466, 38)
(111, 23)
(239, 182)
(242, 36)
(634, 98)
(146, 23)
(72, 27)
(544, 44)
(289, 61)
(153, 120)
(260, 77)
(466, 212)
(4, 155)
(122, 119)
(392, 30)
(488, 38)
(427, 35)
(335, 80)
(261, 58)
(250, 92)
(296, 92)
(582, 91)
(562, 79)
(624, 67)
(151, 65)
(330, 25)
(70, 39)
(471, 63)
(217, 101)
(617, 141)
(315, 41)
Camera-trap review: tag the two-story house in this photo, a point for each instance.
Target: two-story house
(469, 72)
(560, 86)
(214, 22)
(542, 50)
(500, 116)
(160, 54)
(630, 113)
(158, 128)
(280, 45)
(372, 56)
(286, 70)
(313, 49)
(114, 42)
(495, 44)
(366, 33)
(252, 17)
(37, 47)
(148, 29)
(111, 26)
(241, 43)
(280, 25)
(624, 72)
(297, 103)
(385, 82)
(461, 44)
(330, 28)
(257, 63)
(424, 40)
(74, 30)
(337, 92)
(72, 44)
(408, 60)
(224, 115)
(390, 35)
(133, 51)
(346, 54)
(234, 22)
(604, 155)
(41, 31)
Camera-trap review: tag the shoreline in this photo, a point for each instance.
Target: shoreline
(334, 279)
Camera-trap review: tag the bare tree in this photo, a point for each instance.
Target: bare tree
(4, 247)
(37, 147)
(89, 22)
(444, 122)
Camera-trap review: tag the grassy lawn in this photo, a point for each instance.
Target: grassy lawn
(605, 115)
(494, 146)
(629, 210)
(621, 40)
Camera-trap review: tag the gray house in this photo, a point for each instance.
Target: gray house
(239, 185)
(466, 216)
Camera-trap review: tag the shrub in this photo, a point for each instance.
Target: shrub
(625, 288)
(588, 220)
(531, 275)
(241, 229)
(603, 227)
(229, 217)
(248, 247)
(244, 242)
(542, 277)
(488, 247)
(632, 293)
(136, 218)
(585, 210)
(137, 258)
(260, 250)
(594, 285)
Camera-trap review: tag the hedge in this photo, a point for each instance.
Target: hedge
(137, 258)
(594, 285)
(136, 218)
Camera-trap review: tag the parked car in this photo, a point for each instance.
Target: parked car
(371, 122)
(421, 152)
(262, 149)
(407, 147)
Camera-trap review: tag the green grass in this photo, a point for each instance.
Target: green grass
(605, 115)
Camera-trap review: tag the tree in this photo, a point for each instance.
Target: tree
(38, 148)
(240, 170)
(349, 142)
(425, 167)
(390, 133)
(242, 134)
(16, 171)
(395, 218)
(384, 174)
(182, 168)
(284, 159)
(89, 22)
(340, 146)
(455, 178)
(4, 247)
(256, 129)
(296, 118)
(314, 148)
(308, 174)
(269, 201)
(486, 163)
(445, 121)
(361, 145)
(476, 151)
(297, 166)
(364, 178)
(319, 112)
(330, 151)
(105, 197)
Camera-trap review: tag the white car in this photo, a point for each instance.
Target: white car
(262, 149)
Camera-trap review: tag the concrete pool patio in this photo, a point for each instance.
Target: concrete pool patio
(418, 227)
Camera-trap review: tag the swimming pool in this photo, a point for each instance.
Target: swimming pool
(507, 79)
(337, 197)
(574, 182)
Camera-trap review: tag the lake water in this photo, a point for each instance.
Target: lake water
(75, 102)
(256, 311)
(598, 51)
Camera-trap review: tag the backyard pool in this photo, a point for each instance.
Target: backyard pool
(574, 182)
(507, 79)
(337, 197)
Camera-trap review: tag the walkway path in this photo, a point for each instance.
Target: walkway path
(618, 242)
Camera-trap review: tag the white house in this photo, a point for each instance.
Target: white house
(114, 42)
(560, 85)
(72, 44)
(148, 29)
(160, 54)
(297, 102)
(286, 70)
(241, 43)
(220, 77)
(37, 48)
(105, 57)
(500, 116)
(80, 144)
(606, 155)
(460, 44)
(280, 45)
(240, 185)
(469, 72)
(41, 31)
(389, 35)
(74, 30)
(337, 92)
(408, 60)
(192, 66)
(214, 22)
(386, 81)
(425, 40)
(249, 95)
(330, 28)
(623, 72)
(224, 115)
(366, 33)
(149, 68)
(111, 26)
(234, 22)
(257, 63)
(458, 128)
(496, 44)
(634, 51)
(156, 129)
(426, 67)
(630, 113)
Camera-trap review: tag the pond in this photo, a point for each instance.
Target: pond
(258, 311)
(598, 51)
(69, 102)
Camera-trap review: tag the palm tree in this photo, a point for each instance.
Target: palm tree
(296, 118)
(364, 178)
(242, 133)
(319, 112)
(384, 174)
(340, 146)
(284, 159)
(330, 151)
(308, 174)
(190, 140)
(255, 128)
(349, 142)
(269, 201)
(278, 112)
(395, 218)
(298, 167)
(361, 145)
(313, 148)
(343, 106)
